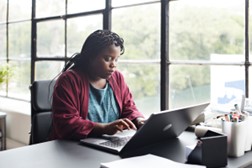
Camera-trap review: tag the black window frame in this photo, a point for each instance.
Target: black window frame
(164, 62)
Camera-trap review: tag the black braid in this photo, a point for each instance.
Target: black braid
(94, 44)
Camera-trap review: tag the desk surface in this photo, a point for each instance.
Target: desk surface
(65, 154)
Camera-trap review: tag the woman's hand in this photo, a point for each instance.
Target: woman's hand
(113, 127)
(118, 125)
(139, 122)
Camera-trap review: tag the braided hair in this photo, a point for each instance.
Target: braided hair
(94, 44)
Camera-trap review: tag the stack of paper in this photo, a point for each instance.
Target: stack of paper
(147, 161)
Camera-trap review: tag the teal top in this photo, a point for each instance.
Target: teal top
(102, 106)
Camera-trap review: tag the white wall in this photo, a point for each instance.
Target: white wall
(18, 121)
(17, 129)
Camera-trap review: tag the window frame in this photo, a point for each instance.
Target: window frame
(164, 61)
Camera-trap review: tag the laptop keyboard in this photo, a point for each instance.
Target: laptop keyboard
(116, 142)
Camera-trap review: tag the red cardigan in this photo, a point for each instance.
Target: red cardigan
(70, 104)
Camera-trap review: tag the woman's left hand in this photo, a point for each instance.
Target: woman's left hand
(139, 122)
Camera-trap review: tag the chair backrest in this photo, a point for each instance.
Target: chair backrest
(41, 114)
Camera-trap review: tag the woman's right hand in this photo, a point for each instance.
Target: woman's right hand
(118, 125)
(113, 127)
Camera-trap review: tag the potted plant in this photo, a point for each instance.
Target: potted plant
(5, 73)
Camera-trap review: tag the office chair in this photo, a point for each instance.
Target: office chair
(41, 110)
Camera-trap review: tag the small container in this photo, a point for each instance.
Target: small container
(236, 137)
(248, 143)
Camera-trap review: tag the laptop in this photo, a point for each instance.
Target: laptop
(158, 127)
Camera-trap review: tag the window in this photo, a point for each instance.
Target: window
(3, 42)
(3, 9)
(202, 47)
(78, 6)
(199, 29)
(140, 28)
(117, 3)
(48, 8)
(15, 48)
(19, 10)
(61, 33)
(50, 38)
(203, 34)
(78, 29)
(45, 70)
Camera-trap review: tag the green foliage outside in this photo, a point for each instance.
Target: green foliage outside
(196, 34)
(5, 73)
(141, 33)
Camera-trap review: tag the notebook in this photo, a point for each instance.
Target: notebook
(158, 127)
(147, 161)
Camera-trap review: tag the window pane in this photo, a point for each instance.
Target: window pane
(140, 28)
(145, 88)
(50, 39)
(47, 70)
(19, 10)
(4, 84)
(128, 2)
(223, 85)
(20, 40)
(227, 86)
(46, 8)
(3, 41)
(201, 28)
(78, 29)
(3, 9)
(19, 82)
(75, 6)
(189, 85)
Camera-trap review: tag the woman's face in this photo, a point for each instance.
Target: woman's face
(105, 63)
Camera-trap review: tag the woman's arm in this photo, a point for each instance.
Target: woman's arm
(124, 98)
(69, 122)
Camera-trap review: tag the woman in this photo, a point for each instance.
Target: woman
(90, 97)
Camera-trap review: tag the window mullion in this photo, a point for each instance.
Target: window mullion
(164, 89)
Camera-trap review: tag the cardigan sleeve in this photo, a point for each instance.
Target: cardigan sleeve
(68, 120)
